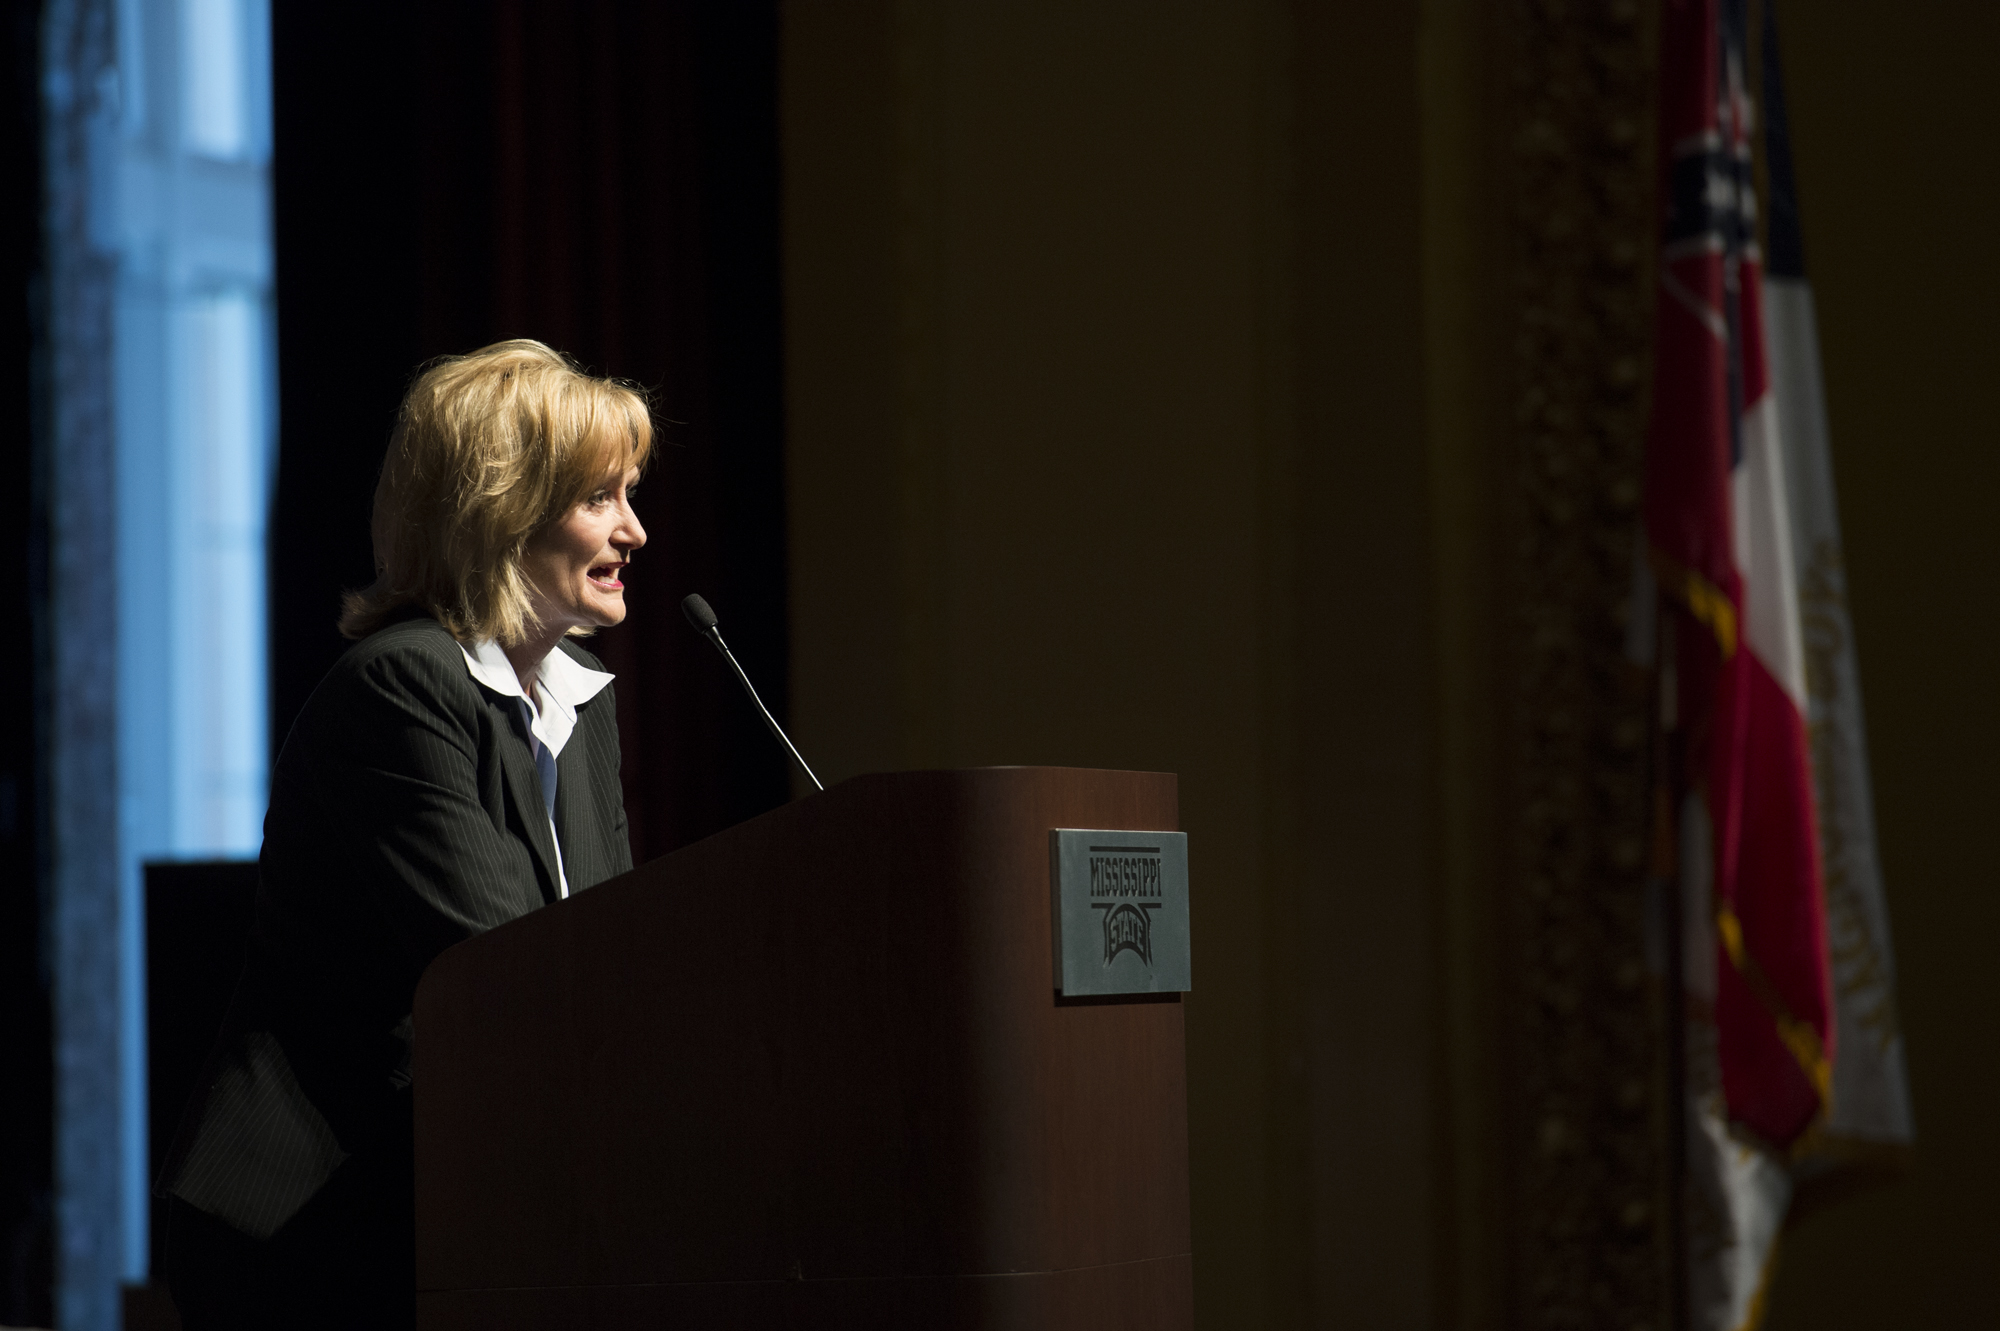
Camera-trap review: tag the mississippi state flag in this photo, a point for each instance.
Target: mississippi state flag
(1756, 978)
(1719, 530)
(1760, 693)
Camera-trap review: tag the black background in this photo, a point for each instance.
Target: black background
(602, 176)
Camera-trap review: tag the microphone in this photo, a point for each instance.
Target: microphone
(703, 619)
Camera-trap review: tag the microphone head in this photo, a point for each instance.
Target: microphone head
(699, 614)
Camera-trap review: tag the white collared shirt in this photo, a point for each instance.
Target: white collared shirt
(561, 686)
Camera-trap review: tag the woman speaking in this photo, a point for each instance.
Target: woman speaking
(457, 769)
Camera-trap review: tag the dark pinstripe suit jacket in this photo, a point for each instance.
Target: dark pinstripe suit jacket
(405, 815)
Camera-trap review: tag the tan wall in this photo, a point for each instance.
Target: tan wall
(1107, 448)
(1140, 380)
(1894, 124)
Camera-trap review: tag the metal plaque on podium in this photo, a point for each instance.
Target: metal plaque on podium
(1120, 907)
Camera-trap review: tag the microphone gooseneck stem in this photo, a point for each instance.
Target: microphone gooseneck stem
(714, 635)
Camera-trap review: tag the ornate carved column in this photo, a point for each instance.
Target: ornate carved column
(1589, 1125)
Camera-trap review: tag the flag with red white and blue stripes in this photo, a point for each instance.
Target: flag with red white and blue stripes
(1775, 834)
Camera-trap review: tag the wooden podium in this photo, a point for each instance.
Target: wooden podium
(811, 1072)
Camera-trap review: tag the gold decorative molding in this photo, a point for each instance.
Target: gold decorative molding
(1588, 1138)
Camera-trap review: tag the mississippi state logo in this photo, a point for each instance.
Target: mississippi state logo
(1128, 927)
(1125, 891)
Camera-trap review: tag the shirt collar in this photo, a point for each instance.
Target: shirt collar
(564, 685)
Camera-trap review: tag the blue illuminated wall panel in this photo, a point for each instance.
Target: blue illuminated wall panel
(182, 187)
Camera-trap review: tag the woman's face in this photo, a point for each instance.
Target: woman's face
(574, 564)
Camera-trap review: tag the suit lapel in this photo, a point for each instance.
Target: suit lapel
(524, 789)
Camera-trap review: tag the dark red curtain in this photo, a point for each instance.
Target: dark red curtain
(602, 176)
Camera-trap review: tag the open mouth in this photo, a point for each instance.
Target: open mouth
(606, 576)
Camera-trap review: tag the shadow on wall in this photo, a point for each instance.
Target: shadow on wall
(1898, 146)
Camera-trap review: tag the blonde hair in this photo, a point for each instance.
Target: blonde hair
(489, 449)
